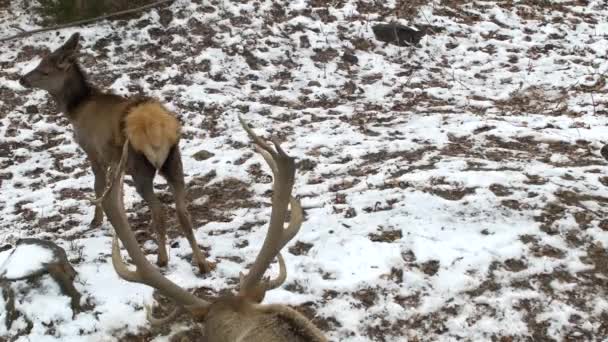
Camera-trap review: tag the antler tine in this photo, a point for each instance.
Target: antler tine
(120, 266)
(292, 229)
(111, 175)
(283, 168)
(257, 140)
(295, 222)
(269, 160)
(157, 322)
(279, 148)
(144, 272)
(280, 279)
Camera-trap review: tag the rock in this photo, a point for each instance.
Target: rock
(31, 109)
(33, 258)
(604, 152)
(397, 34)
(306, 165)
(165, 17)
(202, 155)
(349, 57)
(304, 42)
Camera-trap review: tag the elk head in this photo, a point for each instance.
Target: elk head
(230, 318)
(55, 69)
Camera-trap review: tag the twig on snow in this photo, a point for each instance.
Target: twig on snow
(85, 21)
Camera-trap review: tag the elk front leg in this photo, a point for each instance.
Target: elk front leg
(100, 185)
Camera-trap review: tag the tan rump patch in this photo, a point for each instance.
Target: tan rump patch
(152, 130)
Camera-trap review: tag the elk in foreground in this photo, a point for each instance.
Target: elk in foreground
(229, 318)
(102, 122)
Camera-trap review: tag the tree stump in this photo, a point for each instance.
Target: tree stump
(33, 258)
(397, 34)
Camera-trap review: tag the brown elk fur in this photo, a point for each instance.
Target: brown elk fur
(102, 122)
(233, 318)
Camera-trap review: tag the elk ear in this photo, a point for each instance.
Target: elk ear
(66, 54)
(71, 45)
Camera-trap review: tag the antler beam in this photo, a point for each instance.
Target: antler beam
(145, 272)
(283, 170)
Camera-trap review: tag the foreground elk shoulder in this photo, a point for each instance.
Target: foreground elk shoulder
(102, 122)
(229, 318)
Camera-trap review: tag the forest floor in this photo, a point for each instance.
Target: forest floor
(454, 189)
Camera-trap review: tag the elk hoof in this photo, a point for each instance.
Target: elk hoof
(206, 266)
(161, 262)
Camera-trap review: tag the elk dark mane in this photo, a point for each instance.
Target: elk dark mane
(76, 90)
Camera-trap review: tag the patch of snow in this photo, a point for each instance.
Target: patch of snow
(24, 260)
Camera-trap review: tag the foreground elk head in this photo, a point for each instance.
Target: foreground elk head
(55, 69)
(238, 317)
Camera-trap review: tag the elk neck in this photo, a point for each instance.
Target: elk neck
(76, 90)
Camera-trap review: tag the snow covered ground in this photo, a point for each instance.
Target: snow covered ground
(454, 190)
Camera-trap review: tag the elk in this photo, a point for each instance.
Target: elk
(229, 318)
(102, 122)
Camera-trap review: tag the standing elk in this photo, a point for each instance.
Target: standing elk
(230, 318)
(102, 122)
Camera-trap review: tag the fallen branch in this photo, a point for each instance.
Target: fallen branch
(56, 264)
(85, 21)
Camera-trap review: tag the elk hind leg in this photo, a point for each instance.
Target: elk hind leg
(172, 170)
(143, 175)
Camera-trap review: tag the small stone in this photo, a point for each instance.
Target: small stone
(202, 155)
(31, 109)
(350, 58)
(304, 42)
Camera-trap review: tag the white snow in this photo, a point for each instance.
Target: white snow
(24, 260)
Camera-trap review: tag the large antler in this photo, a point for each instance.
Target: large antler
(252, 285)
(145, 272)
(283, 170)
